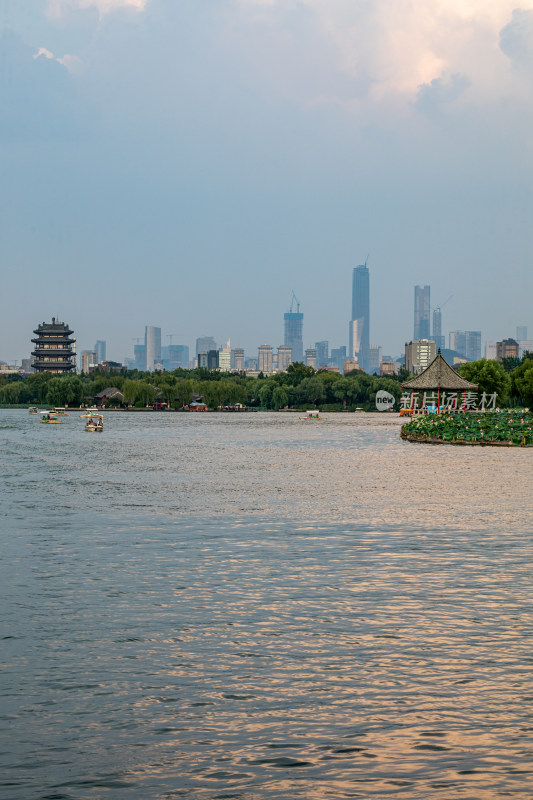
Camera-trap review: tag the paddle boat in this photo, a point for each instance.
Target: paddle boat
(49, 419)
(312, 415)
(95, 423)
(89, 412)
(60, 412)
(33, 410)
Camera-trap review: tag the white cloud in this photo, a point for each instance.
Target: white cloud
(400, 45)
(42, 51)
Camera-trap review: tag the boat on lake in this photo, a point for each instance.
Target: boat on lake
(48, 418)
(33, 410)
(60, 412)
(312, 415)
(95, 423)
(89, 412)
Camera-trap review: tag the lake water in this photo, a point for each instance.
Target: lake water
(249, 606)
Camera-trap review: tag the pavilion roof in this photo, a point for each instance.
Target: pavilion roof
(439, 375)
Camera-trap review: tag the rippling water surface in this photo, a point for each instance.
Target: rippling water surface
(249, 606)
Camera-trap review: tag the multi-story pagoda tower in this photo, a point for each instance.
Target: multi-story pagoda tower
(54, 349)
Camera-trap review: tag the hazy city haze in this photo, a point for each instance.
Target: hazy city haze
(187, 164)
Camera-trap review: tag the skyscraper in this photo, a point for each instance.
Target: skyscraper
(238, 359)
(294, 331)
(99, 349)
(204, 344)
(284, 357)
(264, 358)
(422, 306)
(466, 343)
(152, 342)
(88, 359)
(322, 353)
(437, 336)
(359, 339)
(310, 357)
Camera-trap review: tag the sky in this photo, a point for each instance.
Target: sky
(191, 163)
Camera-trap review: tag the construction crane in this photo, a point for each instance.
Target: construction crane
(439, 308)
(294, 299)
(171, 336)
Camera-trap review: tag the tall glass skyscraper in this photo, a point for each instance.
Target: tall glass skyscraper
(99, 349)
(152, 343)
(359, 346)
(421, 313)
(294, 326)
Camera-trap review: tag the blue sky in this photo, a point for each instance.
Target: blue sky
(188, 164)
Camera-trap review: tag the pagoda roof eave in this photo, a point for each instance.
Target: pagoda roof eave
(439, 375)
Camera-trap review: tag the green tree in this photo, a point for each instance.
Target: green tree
(296, 373)
(57, 392)
(132, 391)
(265, 395)
(311, 390)
(12, 392)
(280, 397)
(184, 391)
(522, 382)
(73, 390)
(38, 386)
(489, 377)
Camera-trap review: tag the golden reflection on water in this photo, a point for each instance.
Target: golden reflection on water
(254, 609)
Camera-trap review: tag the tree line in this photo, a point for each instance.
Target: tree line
(298, 387)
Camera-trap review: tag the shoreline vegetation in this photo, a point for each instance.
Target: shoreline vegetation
(299, 388)
(511, 428)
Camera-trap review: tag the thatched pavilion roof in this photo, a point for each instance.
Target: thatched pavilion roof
(439, 375)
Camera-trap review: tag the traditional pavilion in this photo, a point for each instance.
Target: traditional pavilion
(438, 375)
(54, 349)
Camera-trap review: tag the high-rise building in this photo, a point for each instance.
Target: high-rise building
(238, 359)
(338, 356)
(100, 350)
(359, 333)
(350, 365)
(152, 342)
(422, 306)
(294, 331)
(264, 358)
(212, 359)
(284, 357)
(508, 348)
(490, 351)
(202, 361)
(310, 357)
(466, 343)
(521, 332)
(438, 338)
(89, 358)
(419, 355)
(204, 344)
(175, 356)
(139, 354)
(224, 358)
(374, 359)
(322, 353)
(294, 324)
(54, 350)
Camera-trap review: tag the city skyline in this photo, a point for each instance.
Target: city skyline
(196, 185)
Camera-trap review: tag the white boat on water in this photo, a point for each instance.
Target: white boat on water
(89, 412)
(312, 414)
(95, 423)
